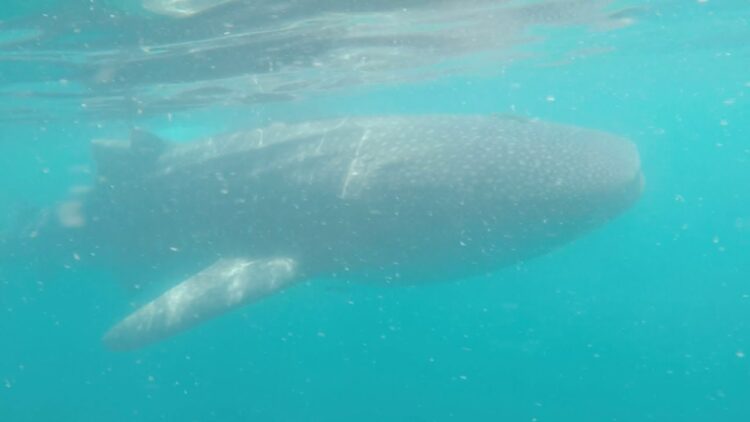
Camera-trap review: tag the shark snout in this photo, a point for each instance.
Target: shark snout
(611, 178)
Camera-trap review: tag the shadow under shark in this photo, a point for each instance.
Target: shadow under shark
(390, 199)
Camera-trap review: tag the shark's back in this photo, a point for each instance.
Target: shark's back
(517, 158)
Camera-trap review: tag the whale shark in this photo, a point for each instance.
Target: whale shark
(230, 219)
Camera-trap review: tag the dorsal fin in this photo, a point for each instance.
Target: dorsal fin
(146, 144)
(117, 159)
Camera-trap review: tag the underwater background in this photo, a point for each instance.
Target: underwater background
(644, 319)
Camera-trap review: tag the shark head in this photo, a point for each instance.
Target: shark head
(597, 177)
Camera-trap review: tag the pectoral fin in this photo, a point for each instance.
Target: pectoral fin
(225, 285)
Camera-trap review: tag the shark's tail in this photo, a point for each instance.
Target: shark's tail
(18, 240)
(225, 285)
(16, 261)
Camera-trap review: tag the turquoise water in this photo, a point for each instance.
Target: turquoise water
(644, 319)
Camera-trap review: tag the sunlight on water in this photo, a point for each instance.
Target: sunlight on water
(258, 52)
(181, 8)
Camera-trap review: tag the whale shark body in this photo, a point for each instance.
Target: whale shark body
(393, 199)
